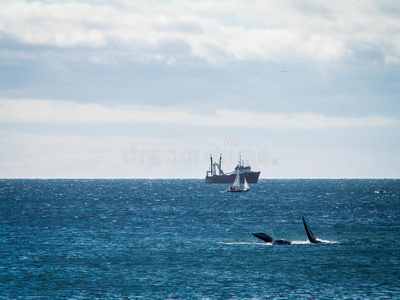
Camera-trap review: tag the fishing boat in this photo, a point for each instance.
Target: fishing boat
(236, 187)
(217, 175)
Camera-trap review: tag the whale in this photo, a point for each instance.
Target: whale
(266, 238)
(281, 242)
(262, 236)
(310, 234)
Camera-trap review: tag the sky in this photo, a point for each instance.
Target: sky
(149, 89)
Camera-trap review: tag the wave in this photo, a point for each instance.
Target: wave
(293, 243)
(243, 243)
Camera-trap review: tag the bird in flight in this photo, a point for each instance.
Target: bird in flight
(283, 71)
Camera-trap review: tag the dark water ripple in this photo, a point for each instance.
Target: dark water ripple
(183, 239)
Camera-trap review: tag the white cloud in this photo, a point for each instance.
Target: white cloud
(49, 111)
(243, 30)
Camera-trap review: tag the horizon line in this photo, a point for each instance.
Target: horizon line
(188, 178)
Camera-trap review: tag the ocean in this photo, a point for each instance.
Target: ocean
(184, 239)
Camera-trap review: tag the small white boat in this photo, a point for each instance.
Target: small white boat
(236, 187)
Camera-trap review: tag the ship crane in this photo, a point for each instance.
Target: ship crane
(214, 166)
(219, 165)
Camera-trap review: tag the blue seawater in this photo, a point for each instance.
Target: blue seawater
(184, 239)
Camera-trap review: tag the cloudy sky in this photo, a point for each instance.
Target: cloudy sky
(131, 89)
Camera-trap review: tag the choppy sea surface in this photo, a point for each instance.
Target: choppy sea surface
(184, 239)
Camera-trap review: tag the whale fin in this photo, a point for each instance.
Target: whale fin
(263, 236)
(310, 235)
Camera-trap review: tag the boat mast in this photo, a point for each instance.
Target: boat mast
(220, 165)
(211, 166)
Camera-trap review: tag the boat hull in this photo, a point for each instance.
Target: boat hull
(237, 191)
(250, 178)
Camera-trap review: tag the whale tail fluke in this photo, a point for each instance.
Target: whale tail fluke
(310, 234)
(262, 236)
